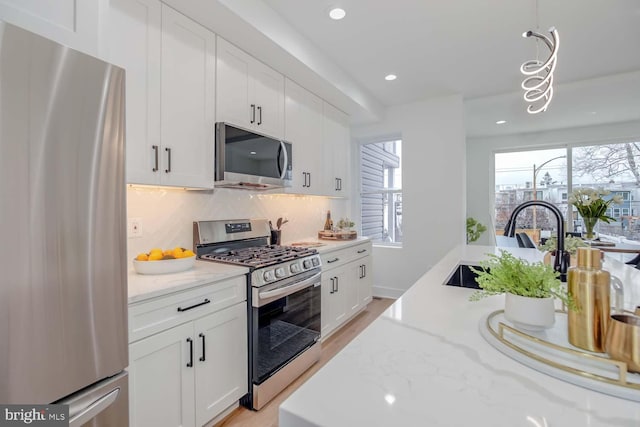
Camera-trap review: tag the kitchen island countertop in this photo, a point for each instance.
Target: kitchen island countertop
(424, 363)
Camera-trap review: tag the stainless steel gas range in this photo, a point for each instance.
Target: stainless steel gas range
(283, 301)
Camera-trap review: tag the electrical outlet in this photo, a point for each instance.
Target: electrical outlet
(135, 227)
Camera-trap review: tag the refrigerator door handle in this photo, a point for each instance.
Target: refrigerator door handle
(80, 416)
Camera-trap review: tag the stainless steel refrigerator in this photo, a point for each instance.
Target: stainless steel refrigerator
(63, 282)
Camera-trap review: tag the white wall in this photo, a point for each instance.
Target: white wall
(433, 201)
(480, 166)
(167, 215)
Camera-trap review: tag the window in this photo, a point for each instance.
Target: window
(381, 191)
(544, 173)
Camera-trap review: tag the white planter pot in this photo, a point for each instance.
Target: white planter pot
(532, 314)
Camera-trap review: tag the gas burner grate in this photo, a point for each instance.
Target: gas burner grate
(259, 256)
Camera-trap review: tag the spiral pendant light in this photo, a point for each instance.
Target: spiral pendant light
(538, 83)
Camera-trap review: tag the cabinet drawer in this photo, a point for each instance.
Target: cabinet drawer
(150, 317)
(342, 256)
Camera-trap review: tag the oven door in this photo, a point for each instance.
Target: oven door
(286, 321)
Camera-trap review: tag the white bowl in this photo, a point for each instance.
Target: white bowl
(164, 266)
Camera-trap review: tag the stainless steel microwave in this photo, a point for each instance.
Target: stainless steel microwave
(251, 161)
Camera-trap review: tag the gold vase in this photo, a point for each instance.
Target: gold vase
(590, 288)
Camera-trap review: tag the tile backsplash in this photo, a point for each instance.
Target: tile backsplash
(166, 215)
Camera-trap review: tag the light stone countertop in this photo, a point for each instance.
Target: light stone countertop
(329, 245)
(423, 362)
(143, 286)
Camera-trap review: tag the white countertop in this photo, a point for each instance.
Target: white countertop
(330, 245)
(143, 287)
(424, 363)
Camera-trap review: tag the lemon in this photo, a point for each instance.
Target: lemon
(155, 256)
(188, 253)
(142, 257)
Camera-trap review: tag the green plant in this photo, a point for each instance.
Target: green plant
(571, 244)
(474, 229)
(345, 223)
(506, 273)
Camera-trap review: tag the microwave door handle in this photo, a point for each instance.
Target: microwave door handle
(283, 149)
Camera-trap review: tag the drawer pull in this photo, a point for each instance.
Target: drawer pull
(361, 251)
(333, 260)
(206, 301)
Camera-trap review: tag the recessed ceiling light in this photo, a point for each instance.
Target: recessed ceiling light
(336, 13)
(501, 122)
(390, 77)
(253, 152)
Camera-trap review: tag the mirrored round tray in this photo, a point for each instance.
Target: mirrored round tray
(549, 352)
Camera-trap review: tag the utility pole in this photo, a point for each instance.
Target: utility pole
(535, 192)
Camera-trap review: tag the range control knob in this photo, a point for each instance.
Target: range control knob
(295, 268)
(306, 264)
(269, 276)
(315, 261)
(280, 272)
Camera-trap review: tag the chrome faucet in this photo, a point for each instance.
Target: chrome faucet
(561, 262)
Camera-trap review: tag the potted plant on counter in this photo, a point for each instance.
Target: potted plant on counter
(571, 245)
(530, 289)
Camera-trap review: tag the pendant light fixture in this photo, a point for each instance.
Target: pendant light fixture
(538, 83)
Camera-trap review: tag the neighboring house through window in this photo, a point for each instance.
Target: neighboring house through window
(381, 192)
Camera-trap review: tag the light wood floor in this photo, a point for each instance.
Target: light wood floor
(268, 416)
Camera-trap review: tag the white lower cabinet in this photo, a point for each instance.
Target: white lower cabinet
(346, 285)
(221, 369)
(190, 373)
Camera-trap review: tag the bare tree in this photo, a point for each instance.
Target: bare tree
(609, 161)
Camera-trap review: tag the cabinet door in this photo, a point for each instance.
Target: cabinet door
(131, 39)
(365, 281)
(188, 98)
(268, 95)
(233, 103)
(161, 385)
(337, 151)
(221, 361)
(348, 288)
(73, 23)
(303, 129)
(327, 316)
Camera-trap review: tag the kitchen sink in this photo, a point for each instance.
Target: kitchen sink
(463, 277)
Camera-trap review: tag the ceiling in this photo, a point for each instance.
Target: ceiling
(468, 47)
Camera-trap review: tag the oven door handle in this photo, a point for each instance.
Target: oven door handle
(290, 289)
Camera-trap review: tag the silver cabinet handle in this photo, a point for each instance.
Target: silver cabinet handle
(259, 115)
(253, 113)
(90, 412)
(361, 251)
(155, 151)
(168, 169)
(333, 260)
(337, 283)
(333, 286)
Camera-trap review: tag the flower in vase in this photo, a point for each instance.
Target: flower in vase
(592, 206)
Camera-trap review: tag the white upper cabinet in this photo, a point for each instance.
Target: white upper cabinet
(131, 38)
(337, 149)
(249, 94)
(303, 129)
(73, 23)
(187, 99)
(170, 72)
